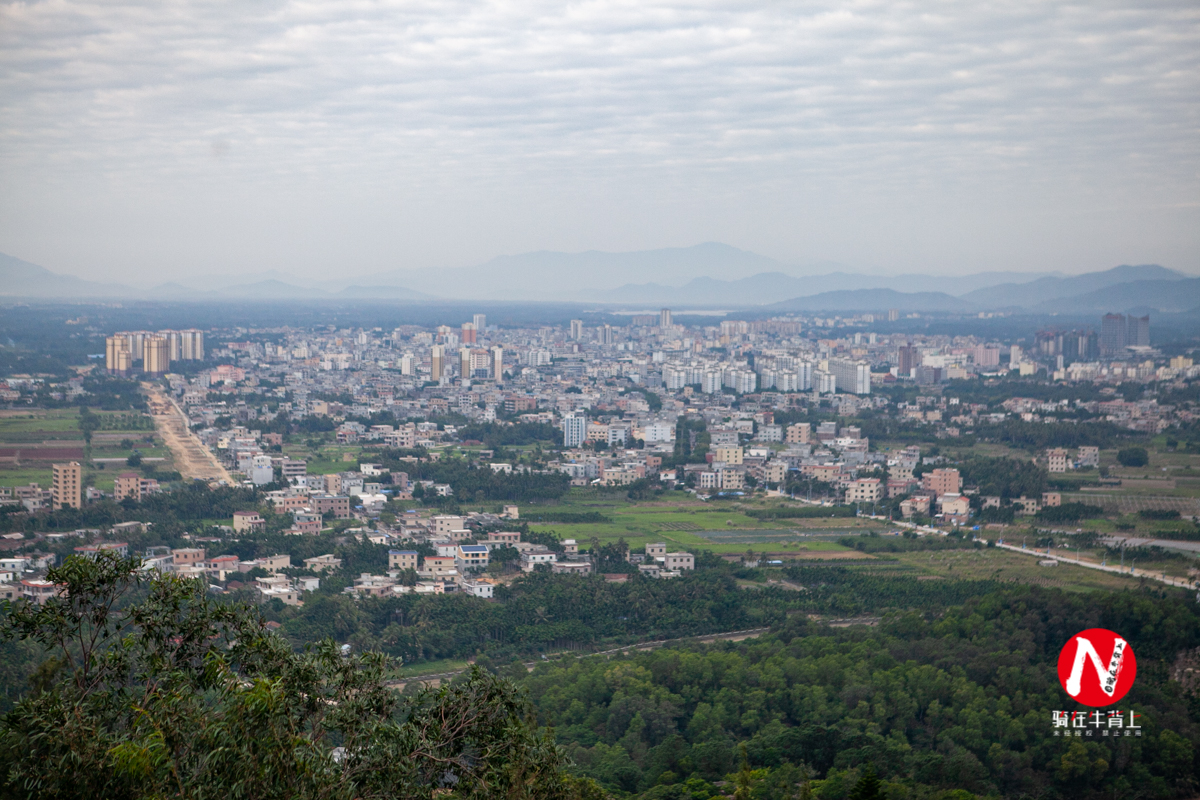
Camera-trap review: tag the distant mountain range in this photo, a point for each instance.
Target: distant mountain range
(710, 274)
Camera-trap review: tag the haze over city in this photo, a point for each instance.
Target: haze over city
(172, 143)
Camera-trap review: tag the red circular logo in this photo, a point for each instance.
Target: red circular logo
(1096, 667)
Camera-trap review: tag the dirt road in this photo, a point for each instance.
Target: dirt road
(192, 458)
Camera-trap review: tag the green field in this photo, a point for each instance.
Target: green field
(692, 525)
(62, 426)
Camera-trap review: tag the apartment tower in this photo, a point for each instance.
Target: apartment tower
(67, 485)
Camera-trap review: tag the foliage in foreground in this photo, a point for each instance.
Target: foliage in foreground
(154, 690)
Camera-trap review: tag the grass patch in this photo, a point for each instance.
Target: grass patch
(1002, 565)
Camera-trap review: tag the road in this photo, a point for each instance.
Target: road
(1161, 577)
(192, 458)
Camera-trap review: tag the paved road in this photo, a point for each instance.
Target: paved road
(1182, 583)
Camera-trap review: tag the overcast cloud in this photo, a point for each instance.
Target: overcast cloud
(150, 140)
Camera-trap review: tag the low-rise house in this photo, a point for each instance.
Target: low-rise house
(277, 587)
(37, 590)
(322, 563)
(479, 587)
(864, 490)
(246, 521)
(440, 568)
(571, 567)
(367, 585)
(540, 555)
(91, 550)
(402, 559)
(269, 563)
(471, 558)
(676, 562)
(220, 567)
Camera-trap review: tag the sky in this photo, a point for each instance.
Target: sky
(151, 141)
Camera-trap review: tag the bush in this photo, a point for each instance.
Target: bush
(1133, 457)
(1158, 513)
(1069, 512)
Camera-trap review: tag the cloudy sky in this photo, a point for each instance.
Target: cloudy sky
(145, 141)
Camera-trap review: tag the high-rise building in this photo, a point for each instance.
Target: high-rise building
(408, 364)
(498, 363)
(1112, 334)
(117, 356)
(174, 344)
(464, 362)
(574, 429)
(437, 358)
(852, 376)
(480, 321)
(986, 355)
(606, 334)
(893, 314)
(577, 329)
(156, 358)
(1137, 331)
(664, 318)
(907, 359)
(192, 345)
(136, 341)
(67, 485)
(804, 376)
(468, 333)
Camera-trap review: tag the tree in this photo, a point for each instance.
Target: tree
(867, 787)
(1133, 457)
(162, 691)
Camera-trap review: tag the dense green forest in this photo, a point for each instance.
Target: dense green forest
(544, 612)
(949, 704)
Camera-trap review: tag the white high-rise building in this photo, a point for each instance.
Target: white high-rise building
(574, 429)
(577, 329)
(804, 376)
(480, 321)
(664, 318)
(674, 377)
(852, 376)
(191, 345)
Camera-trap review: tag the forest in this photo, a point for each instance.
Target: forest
(952, 703)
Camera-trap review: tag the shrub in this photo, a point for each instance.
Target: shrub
(1133, 456)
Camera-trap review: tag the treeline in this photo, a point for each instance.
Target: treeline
(169, 512)
(544, 612)
(1069, 512)
(567, 517)
(1041, 435)
(521, 433)
(908, 543)
(474, 484)
(952, 705)
(801, 512)
(1003, 477)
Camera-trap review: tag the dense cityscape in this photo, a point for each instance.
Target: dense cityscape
(599, 401)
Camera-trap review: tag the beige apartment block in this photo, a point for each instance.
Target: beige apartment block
(67, 485)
